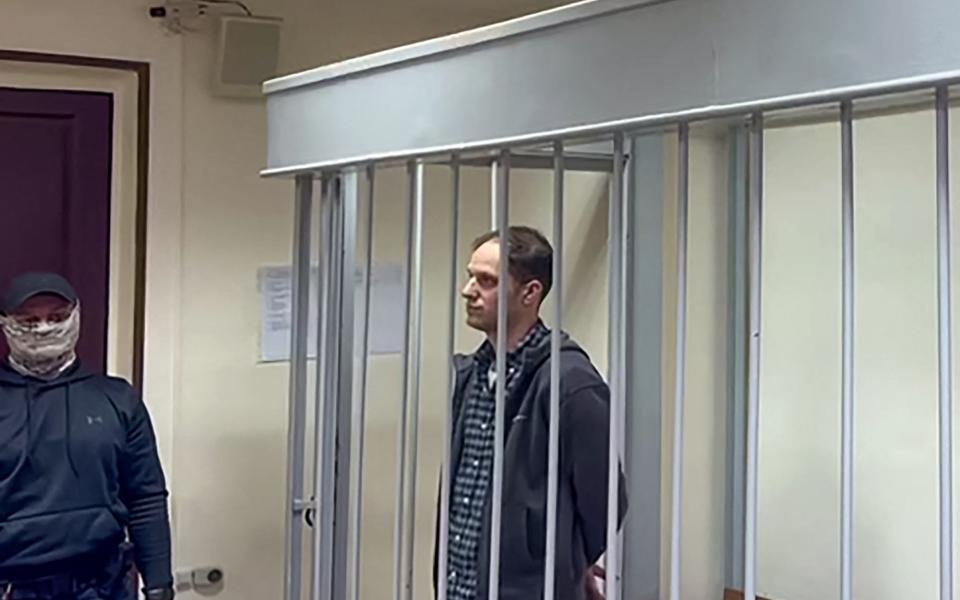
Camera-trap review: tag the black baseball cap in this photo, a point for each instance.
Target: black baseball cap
(26, 286)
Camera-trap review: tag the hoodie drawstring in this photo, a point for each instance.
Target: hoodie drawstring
(66, 437)
(29, 404)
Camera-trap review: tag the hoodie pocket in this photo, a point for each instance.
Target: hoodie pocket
(53, 537)
(536, 528)
(13, 441)
(515, 557)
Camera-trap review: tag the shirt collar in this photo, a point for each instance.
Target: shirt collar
(487, 353)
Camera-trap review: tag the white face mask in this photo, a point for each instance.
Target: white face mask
(43, 349)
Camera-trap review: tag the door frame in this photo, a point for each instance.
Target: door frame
(141, 72)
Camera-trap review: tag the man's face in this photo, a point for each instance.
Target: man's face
(481, 289)
(43, 308)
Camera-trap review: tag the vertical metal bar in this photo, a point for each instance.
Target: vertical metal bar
(494, 183)
(755, 255)
(342, 444)
(644, 385)
(360, 403)
(329, 501)
(738, 342)
(323, 540)
(503, 207)
(615, 368)
(415, 258)
(446, 474)
(627, 193)
(846, 436)
(323, 301)
(553, 446)
(403, 585)
(944, 340)
(683, 187)
(296, 424)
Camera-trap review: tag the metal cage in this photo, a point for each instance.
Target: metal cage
(531, 92)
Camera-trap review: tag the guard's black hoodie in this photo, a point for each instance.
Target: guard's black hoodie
(78, 469)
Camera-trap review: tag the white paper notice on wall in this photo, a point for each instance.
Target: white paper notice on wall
(386, 311)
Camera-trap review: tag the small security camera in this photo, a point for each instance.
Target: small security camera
(179, 16)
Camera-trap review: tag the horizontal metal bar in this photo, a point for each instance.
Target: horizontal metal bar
(300, 506)
(692, 115)
(520, 160)
(553, 17)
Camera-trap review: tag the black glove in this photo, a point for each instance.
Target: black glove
(159, 594)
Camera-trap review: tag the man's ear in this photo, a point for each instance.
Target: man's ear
(532, 293)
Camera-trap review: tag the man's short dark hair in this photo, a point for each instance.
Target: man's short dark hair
(530, 255)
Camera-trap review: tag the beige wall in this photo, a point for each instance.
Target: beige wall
(895, 462)
(703, 493)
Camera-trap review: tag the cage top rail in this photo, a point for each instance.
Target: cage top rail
(602, 67)
(638, 125)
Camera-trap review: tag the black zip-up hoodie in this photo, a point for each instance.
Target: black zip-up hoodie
(583, 467)
(78, 470)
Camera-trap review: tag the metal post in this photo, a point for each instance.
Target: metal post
(944, 344)
(846, 435)
(503, 207)
(553, 446)
(360, 385)
(644, 386)
(615, 368)
(627, 193)
(342, 395)
(296, 425)
(446, 475)
(327, 376)
(683, 166)
(403, 566)
(755, 255)
(494, 182)
(415, 259)
(738, 342)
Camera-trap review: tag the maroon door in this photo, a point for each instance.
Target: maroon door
(55, 164)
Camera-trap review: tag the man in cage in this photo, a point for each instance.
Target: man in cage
(584, 437)
(79, 471)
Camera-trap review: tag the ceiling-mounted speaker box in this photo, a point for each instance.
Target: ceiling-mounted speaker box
(248, 51)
